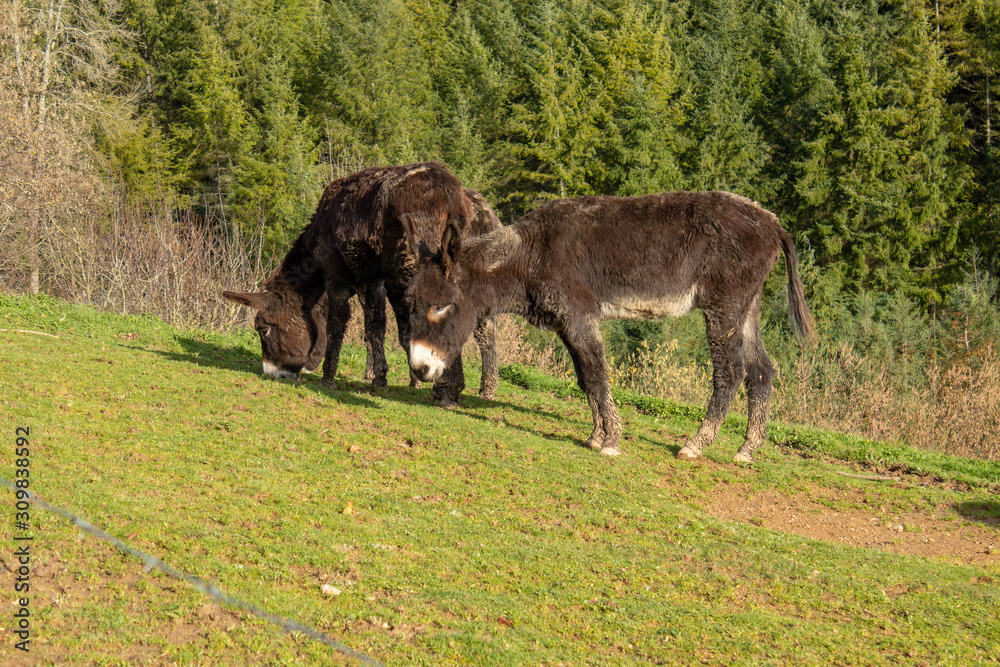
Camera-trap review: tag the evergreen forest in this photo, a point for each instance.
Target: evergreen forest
(870, 127)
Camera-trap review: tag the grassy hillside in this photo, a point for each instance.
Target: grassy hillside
(481, 536)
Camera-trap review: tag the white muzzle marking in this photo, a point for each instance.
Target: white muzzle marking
(426, 360)
(277, 372)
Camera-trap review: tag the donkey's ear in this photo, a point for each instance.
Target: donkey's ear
(255, 300)
(451, 247)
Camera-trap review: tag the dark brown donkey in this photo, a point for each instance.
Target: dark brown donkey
(357, 243)
(573, 262)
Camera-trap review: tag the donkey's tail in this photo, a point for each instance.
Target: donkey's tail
(802, 321)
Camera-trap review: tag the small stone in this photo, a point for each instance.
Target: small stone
(327, 589)
(354, 449)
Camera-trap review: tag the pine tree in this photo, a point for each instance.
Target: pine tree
(851, 167)
(216, 132)
(377, 92)
(280, 181)
(935, 146)
(797, 89)
(555, 130)
(727, 151)
(474, 86)
(874, 184)
(636, 67)
(142, 160)
(222, 79)
(970, 319)
(969, 33)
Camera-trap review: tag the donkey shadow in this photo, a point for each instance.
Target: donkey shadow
(484, 410)
(211, 355)
(471, 405)
(356, 391)
(236, 358)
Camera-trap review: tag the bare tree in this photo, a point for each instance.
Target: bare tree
(57, 77)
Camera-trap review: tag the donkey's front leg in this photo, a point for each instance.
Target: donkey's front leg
(402, 313)
(607, 424)
(449, 387)
(586, 348)
(336, 324)
(372, 299)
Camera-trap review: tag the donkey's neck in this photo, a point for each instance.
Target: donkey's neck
(300, 273)
(495, 276)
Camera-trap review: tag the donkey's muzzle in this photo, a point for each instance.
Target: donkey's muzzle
(426, 361)
(275, 371)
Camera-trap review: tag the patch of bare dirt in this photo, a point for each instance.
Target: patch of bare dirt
(945, 532)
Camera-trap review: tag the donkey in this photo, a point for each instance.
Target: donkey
(357, 243)
(573, 262)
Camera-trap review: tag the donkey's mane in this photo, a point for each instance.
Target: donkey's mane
(493, 249)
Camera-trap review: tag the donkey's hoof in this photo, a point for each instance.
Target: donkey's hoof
(328, 383)
(448, 403)
(743, 458)
(688, 454)
(610, 451)
(593, 444)
(380, 383)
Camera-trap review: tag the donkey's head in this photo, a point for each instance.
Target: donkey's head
(292, 333)
(442, 316)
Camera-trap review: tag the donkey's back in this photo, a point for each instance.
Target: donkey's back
(657, 255)
(358, 228)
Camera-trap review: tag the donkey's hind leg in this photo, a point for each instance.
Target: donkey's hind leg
(372, 299)
(725, 342)
(486, 338)
(760, 375)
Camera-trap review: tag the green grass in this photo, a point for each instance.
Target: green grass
(481, 536)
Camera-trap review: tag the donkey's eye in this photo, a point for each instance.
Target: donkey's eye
(438, 312)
